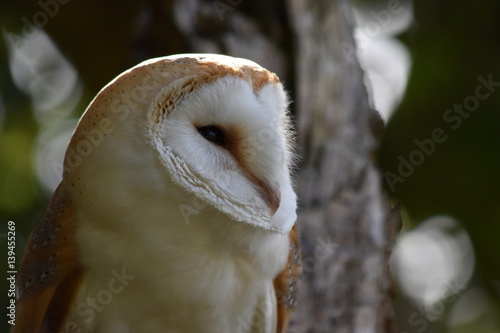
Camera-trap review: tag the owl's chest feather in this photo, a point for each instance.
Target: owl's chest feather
(208, 274)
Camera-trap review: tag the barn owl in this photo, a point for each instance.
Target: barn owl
(176, 211)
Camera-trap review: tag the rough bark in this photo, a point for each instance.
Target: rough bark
(347, 227)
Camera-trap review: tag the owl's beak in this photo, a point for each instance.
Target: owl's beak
(274, 200)
(271, 194)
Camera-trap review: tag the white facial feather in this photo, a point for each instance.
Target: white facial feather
(210, 171)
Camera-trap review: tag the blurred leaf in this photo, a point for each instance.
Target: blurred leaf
(17, 181)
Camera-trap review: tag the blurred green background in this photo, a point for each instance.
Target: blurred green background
(433, 68)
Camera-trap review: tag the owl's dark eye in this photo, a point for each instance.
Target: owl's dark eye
(213, 134)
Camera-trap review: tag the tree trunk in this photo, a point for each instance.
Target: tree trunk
(347, 227)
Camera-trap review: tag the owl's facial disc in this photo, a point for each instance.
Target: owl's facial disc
(227, 144)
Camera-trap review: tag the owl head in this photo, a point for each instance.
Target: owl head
(214, 126)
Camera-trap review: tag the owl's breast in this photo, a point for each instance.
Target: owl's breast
(178, 264)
